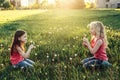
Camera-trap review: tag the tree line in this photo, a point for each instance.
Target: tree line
(15, 4)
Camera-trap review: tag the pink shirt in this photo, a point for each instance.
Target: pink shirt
(101, 53)
(15, 58)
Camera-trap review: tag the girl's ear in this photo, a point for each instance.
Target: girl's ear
(19, 38)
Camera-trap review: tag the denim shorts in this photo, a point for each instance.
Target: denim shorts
(25, 63)
(91, 61)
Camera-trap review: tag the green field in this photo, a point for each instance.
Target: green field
(57, 35)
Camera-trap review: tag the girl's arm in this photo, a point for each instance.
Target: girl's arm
(27, 54)
(96, 47)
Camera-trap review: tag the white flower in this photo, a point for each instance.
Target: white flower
(2, 65)
(75, 55)
(35, 54)
(63, 49)
(46, 73)
(84, 76)
(65, 66)
(9, 49)
(70, 59)
(55, 55)
(47, 56)
(53, 60)
(1, 45)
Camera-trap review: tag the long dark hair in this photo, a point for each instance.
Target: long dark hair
(18, 34)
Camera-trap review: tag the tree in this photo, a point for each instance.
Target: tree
(7, 5)
(13, 2)
(1, 2)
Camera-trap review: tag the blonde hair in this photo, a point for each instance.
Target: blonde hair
(100, 30)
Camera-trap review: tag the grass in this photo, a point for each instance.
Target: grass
(57, 35)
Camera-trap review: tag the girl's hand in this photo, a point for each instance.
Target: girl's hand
(31, 46)
(84, 44)
(85, 41)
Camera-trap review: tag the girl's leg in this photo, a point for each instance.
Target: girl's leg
(94, 62)
(87, 59)
(29, 61)
(24, 64)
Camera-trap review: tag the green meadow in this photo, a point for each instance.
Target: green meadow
(57, 35)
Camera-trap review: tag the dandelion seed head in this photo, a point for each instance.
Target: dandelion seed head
(35, 54)
(47, 56)
(84, 77)
(53, 60)
(55, 55)
(75, 55)
(70, 59)
(65, 67)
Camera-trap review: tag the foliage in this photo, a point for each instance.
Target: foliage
(57, 35)
(7, 5)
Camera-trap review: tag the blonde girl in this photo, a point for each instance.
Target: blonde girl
(97, 46)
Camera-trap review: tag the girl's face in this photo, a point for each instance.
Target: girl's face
(92, 30)
(23, 38)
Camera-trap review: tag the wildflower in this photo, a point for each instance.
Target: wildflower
(2, 65)
(75, 55)
(53, 60)
(9, 49)
(63, 49)
(1, 45)
(55, 55)
(73, 46)
(92, 65)
(70, 59)
(45, 73)
(35, 54)
(47, 56)
(31, 41)
(84, 77)
(65, 67)
(98, 74)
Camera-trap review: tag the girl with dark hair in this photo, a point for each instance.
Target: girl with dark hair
(18, 56)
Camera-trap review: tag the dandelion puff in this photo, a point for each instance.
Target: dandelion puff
(65, 67)
(92, 65)
(9, 49)
(2, 65)
(55, 55)
(35, 54)
(31, 41)
(70, 59)
(47, 56)
(1, 45)
(45, 73)
(53, 60)
(98, 74)
(75, 55)
(63, 49)
(73, 46)
(84, 77)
